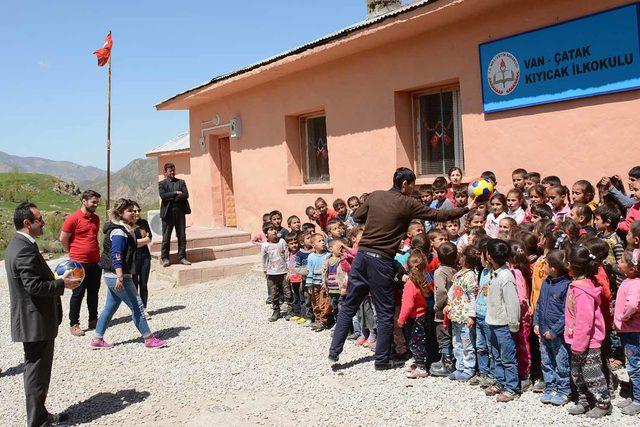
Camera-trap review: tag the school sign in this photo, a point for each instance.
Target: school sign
(588, 56)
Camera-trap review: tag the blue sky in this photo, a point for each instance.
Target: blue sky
(53, 95)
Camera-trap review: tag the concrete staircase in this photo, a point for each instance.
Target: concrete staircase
(214, 253)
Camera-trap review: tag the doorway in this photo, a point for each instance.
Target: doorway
(226, 179)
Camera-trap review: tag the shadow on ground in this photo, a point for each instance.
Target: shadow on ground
(351, 364)
(102, 404)
(14, 370)
(165, 334)
(162, 310)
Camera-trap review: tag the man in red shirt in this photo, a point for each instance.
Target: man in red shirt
(79, 237)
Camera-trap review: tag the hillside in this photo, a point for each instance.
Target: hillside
(138, 180)
(65, 170)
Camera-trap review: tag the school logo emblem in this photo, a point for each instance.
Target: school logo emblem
(503, 73)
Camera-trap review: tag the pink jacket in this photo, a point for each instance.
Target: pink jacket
(584, 324)
(633, 214)
(523, 293)
(627, 312)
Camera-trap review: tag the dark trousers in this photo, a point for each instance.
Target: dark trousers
(369, 274)
(90, 284)
(298, 297)
(443, 334)
(422, 342)
(279, 288)
(38, 359)
(174, 218)
(141, 277)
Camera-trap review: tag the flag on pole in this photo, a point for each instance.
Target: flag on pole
(104, 52)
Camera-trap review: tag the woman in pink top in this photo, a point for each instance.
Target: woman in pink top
(627, 321)
(584, 332)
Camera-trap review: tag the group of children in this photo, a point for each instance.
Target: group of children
(538, 283)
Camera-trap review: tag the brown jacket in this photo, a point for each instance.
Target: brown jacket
(386, 216)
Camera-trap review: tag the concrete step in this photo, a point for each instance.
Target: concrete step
(210, 253)
(202, 238)
(204, 271)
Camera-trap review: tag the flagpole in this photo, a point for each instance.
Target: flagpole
(109, 136)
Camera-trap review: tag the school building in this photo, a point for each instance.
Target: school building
(547, 85)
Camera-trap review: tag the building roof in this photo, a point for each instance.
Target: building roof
(179, 143)
(319, 42)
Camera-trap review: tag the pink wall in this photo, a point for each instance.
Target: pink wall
(366, 97)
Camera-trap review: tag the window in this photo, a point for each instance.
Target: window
(439, 133)
(314, 148)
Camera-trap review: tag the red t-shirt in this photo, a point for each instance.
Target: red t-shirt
(83, 245)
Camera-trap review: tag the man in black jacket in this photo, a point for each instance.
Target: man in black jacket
(174, 207)
(36, 310)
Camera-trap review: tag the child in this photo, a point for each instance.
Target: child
(606, 218)
(436, 238)
(309, 228)
(417, 304)
(584, 332)
(330, 267)
(259, 237)
(486, 365)
(503, 318)
(548, 322)
(294, 224)
(440, 188)
(633, 213)
(324, 214)
(515, 200)
(550, 181)
(276, 219)
(583, 192)
(506, 228)
(583, 215)
(627, 322)
(415, 227)
(304, 242)
(461, 309)
(354, 204)
(274, 263)
(517, 177)
(443, 276)
(461, 199)
(475, 219)
(540, 213)
(498, 211)
(342, 213)
(557, 195)
(426, 194)
(334, 229)
(490, 176)
(531, 179)
(295, 278)
(319, 298)
(452, 227)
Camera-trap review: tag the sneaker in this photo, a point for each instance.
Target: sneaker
(454, 375)
(598, 412)
(538, 387)
(301, 321)
(99, 344)
(506, 396)
(418, 372)
(486, 381)
(474, 380)
(361, 340)
(154, 342)
(321, 327)
(76, 331)
(166, 262)
(492, 390)
(370, 344)
(525, 384)
(307, 323)
(625, 402)
(293, 318)
(147, 315)
(92, 325)
(62, 417)
(268, 301)
(275, 316)
(547, 397)
(353, 337)
(392, 364)
(559, 399)
(287, 316)
(411, 367)
(633, 408)
(184, 261)
(464, 377)
(577, 409)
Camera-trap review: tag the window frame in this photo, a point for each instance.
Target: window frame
(304, 145)
(458, 139)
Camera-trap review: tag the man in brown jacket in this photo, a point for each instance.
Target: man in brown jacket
(386, 216)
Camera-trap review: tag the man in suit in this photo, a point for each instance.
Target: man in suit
(174, 207)
(36, 310)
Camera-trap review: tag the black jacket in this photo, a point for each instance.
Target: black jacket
(106, 262)
(172, 201)
(36, 311)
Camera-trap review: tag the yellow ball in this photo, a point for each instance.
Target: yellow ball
(480, 189)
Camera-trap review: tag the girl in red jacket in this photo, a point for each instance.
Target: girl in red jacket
(418, 305)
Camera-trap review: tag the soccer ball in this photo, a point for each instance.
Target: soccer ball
(77, 270)
(480, 189)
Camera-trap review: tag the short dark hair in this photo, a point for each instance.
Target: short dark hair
(585, 211)
(472, 257)
(556, 258)
(489, 176)
(519, 171)
(308, 226)
(266, 217)
(338, 202)
(353, 198)
(498, 250)
(533, 176)
(291, 237)
(291, 218)
(267, 225)
(272, 213)
(609, 213)
(90, 194)
(440, 184)
(401, 175)
(551, 180)
(22, 212)
(543, 211)
(425, 188)
(168, 166)
(448, 254)
(634, 172)
(460, 189)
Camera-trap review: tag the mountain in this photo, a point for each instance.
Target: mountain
(138, 181)
(68, 171)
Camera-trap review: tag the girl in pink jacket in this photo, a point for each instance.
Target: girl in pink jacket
(584, 332)
(626, 318)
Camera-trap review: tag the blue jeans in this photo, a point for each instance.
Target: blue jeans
(555, 364)
(503, 349)
(463, 350)
(373, 274)
(483, 347)
(631, 343)
(130, 297)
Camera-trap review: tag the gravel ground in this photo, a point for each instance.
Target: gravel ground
(225, 364)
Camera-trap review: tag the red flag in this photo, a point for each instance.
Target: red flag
(104, 52)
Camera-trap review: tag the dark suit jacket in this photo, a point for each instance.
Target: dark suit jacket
(169, 198)
(36, 310)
